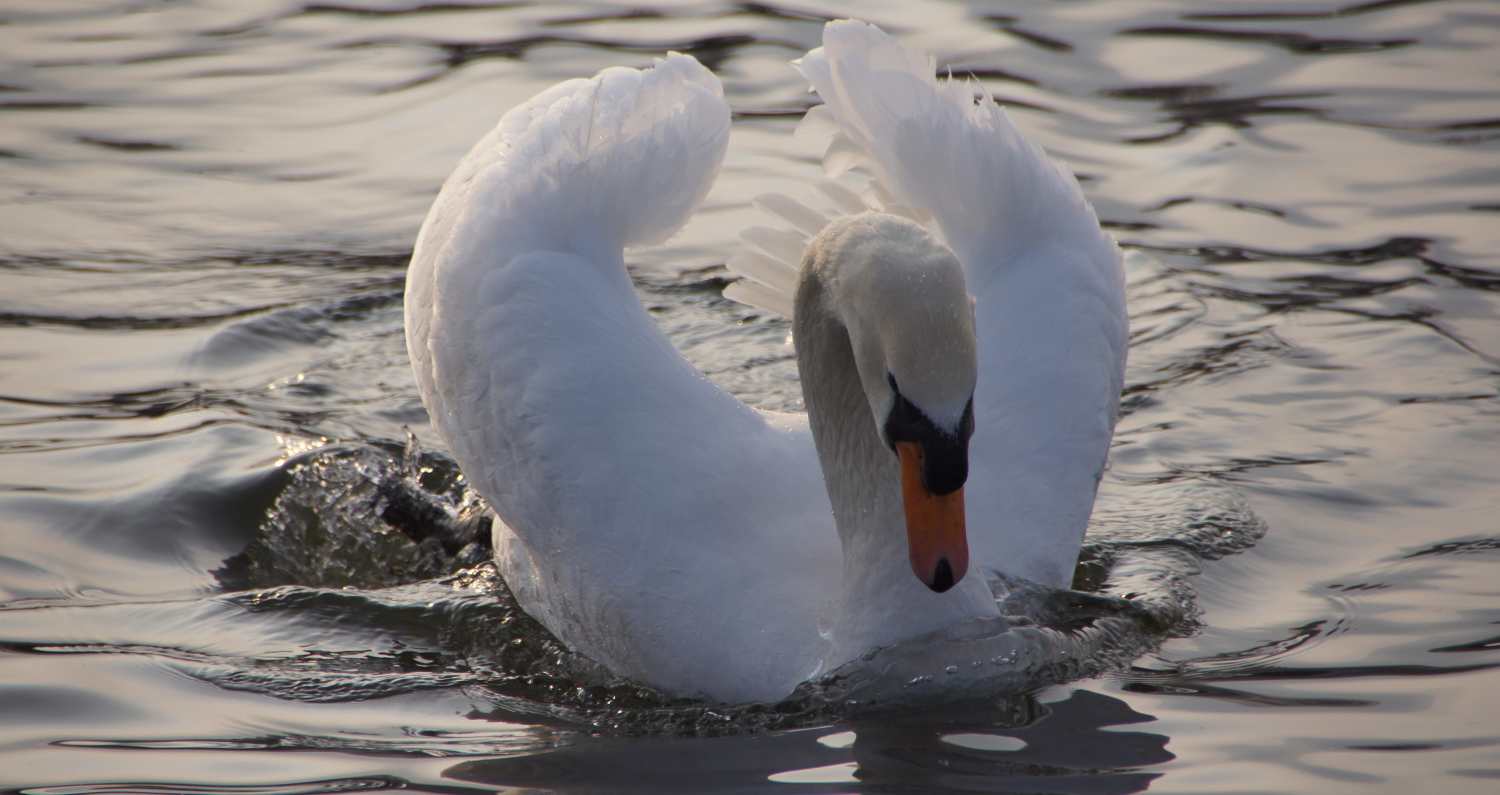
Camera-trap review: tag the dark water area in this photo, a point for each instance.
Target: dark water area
(205, 214)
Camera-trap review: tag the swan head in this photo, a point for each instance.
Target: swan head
(901, 296)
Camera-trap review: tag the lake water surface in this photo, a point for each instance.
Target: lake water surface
(205, 214)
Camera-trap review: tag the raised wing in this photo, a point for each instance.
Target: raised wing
(632, 489)
(1047, 281)
(567, 171)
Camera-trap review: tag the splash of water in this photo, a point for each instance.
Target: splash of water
(336, 550)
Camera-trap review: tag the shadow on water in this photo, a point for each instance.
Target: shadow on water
(1012, 744)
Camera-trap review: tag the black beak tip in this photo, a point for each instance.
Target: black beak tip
(942, 576)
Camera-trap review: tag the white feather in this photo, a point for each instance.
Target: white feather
(614, 466)
(807, 220)
(1047, 281)
(770, 272)
(783, 244)
(934, 147)
(846, 200)
(760, 296)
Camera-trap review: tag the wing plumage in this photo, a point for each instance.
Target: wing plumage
(942, 147)
(1047, 281)
(567, 171)
(940, 151)
(614, 465)
(564, 172)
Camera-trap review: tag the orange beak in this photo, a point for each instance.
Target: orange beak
(935, 536)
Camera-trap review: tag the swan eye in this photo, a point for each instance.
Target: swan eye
(945, 460)
(901, 416)
(906, 416)
(945, 456)
(896, 400)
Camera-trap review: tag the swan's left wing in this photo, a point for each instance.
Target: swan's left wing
(1047, 281)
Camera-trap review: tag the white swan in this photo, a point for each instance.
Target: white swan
(658, 525)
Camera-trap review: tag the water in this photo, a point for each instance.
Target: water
(205, 213)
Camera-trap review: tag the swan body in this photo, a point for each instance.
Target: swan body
(660, 526)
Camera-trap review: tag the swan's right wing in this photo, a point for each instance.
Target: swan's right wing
(1047, 281)
(585, 168)
(637, 495)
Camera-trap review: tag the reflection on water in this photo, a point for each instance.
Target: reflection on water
(1081, 740)
(206, 551)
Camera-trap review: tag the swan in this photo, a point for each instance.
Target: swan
(960, 346)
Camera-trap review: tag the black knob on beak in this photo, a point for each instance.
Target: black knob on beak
(942, 576)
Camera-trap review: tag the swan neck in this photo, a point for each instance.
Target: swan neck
(857, 467)
(882, 601)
